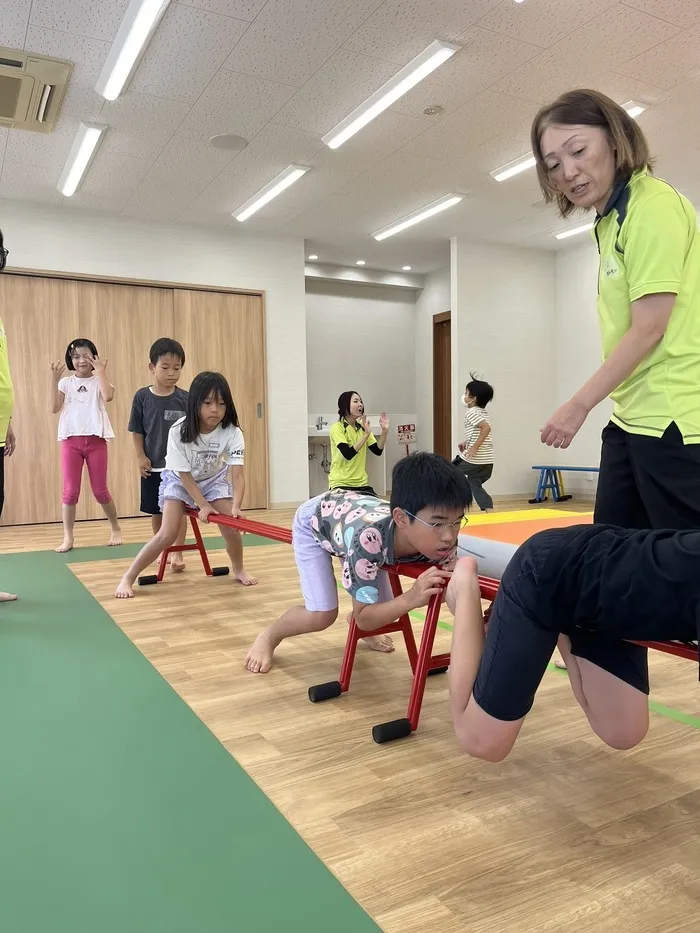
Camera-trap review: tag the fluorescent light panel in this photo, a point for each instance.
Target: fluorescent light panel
(80, 156)
(573, 231)
(140, 22)
(527, 162)
(423, 214)
(279, 184)
(422, 65)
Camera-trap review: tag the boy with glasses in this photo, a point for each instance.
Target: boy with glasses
(429, 497)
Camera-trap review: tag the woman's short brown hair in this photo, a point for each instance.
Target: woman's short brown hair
(590, 108)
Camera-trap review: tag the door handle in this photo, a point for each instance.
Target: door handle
(259, 409)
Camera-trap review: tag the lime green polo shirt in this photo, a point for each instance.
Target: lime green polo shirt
(649, 243)
(352, 473)
(7, 395)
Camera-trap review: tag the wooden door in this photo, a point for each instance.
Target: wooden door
(226, 333)
(442, 384)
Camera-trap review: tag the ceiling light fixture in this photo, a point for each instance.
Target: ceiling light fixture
(526, 162)
(313, 257)
(360, 262)
(278, 184)
(405, 268)
(135, 32)
(419, 68)
(80, 156)
(573, 231)
(423, 214)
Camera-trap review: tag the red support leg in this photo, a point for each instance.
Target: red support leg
(425, 661)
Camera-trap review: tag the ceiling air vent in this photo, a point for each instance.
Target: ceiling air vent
(32, 88)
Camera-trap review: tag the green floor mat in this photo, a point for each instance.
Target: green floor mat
(119, 811)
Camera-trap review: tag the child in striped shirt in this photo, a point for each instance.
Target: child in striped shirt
(475, 458)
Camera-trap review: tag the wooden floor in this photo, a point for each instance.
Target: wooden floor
(564, 835)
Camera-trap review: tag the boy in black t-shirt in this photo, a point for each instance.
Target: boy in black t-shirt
(154, 411)
(587, 589)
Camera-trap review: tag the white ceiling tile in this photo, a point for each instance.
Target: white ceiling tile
(50, 149)
(239, 9)
(186, 52)
(339, 86)
(235, 103)
(113, 175)
(88, 56)
(188, 163)
(288, 144)
(484, 58)
(685, 13)
(20, 181)
(92, 202)
(544, 22)
(154, 203)
(291, 39)
(329, 214)
(14, 16)
(483, 118)
(383, 136)
(128, 116)
(400, 29)
(623, 88)
(82, 17)
(579, 58)
(668, 64)
(227, 192)
(397, 174)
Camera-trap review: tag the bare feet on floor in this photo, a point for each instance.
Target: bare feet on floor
(7, 597)
(124, 590)
(379, 643)
(243, 577)
(259, 657)
(115, 539)
(559, 662)
(177, 564)
(67, 545)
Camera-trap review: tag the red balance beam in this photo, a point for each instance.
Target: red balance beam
(423, 661)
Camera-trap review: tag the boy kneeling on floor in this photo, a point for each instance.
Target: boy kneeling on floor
(429, 497)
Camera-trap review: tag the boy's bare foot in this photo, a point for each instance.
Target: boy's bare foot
(67, 545)
(243, 577)
(259, 657)
(559, 662)
(115, 539)
(7, 597)
(177, 564)
(379, 643)
(124, 590)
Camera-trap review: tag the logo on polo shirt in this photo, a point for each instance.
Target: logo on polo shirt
(610, 267)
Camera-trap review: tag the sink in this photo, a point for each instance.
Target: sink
(324, 432)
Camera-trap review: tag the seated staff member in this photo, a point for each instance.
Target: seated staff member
(350, 437)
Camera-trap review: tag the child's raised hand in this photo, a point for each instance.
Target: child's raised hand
(57, 370)
(97, 364)
(384, 422)
(145, 467)
(206, 511)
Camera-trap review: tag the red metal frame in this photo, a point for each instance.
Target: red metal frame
(421, 658)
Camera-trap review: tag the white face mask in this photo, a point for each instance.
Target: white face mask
(463, 400)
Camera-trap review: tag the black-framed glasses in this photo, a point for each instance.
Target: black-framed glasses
(439, 527)
(4, 253)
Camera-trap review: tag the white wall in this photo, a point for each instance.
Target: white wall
(69, 240)
(503, 328)
(435, 298)
(360, 337)
(579, 354)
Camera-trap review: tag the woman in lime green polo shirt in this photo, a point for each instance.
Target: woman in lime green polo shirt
(591, 154)
(350, 438)
(7, 435)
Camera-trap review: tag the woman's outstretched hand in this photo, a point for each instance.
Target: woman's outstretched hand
(564, 425)
(384, 422)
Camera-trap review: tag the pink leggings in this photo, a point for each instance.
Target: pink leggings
(78, 450)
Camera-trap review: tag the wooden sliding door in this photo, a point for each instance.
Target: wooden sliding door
(42, 315)
(226, 333)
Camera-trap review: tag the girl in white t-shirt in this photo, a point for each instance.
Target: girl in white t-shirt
(83, 431)
(202, 448)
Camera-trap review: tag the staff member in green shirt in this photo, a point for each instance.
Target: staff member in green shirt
(591, 154)
(350, 437)
(7, 398)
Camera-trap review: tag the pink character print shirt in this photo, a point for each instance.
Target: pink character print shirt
(359, 530)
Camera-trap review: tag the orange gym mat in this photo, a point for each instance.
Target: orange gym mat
(517, 532)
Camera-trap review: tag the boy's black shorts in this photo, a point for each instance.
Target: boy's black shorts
(522, 636)
(150, 487)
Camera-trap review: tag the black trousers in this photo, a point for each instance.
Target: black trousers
(648, 482)
(2, 479)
